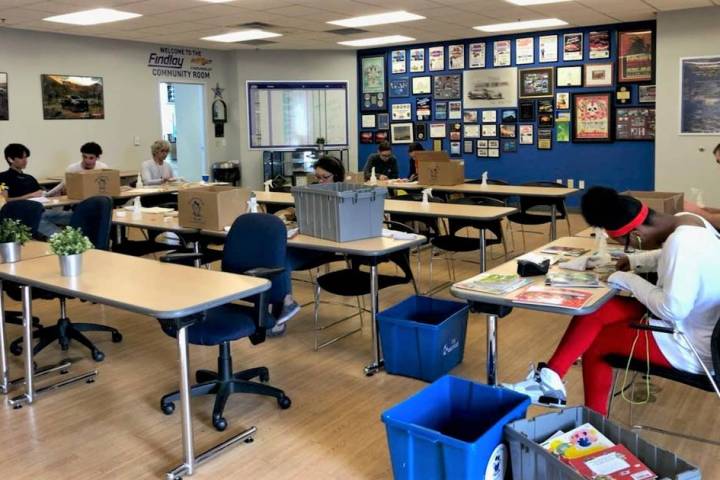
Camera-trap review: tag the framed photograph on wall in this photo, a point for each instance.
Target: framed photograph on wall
(373, 78)
(562, 101)
(569, 76)
(634, 123)
(436, 59)
(468, 147)
(71, 97)
(421, 85)
(399, 87)
(454, 110)
(447, 87)
(493, 143)
(476, 55)
(4, 111)
(481, 143)
(441, 110)
(456, 57)
(402, 111)
(494, 152)
(489, 116)
(545, 120)
(545, 106)
(544, 139)
(699, 95)
(509, 145)
(646, 93)
(470, 116)
(548, 47)
(438, 145)
(438, 130)
(471, 131)
(562, 127)
(598, 74)
(482, 152)
(491, 88)
(366, 137)
(537, 82)
(524, 51)
(635, 56)
(508, 116)
(381, 136)
(526, 110)
(572, 47)
(417, 60)
(383, 121)
(508, 131)
(599, 45)
(592, 117)
(398, 61)
(526, 134)
(421, 132)
(401, 132)
(455, 148)
(367, 121)
(489, 130)
(501, 53)
(423, 108)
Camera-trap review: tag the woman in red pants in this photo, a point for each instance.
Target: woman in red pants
(684, 250)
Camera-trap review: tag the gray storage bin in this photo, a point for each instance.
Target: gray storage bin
(531, 462)
(340, 212)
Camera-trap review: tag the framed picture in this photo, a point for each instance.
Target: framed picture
(545, 106)
(493, 143)
(367, 121)
(501, 53)
(438, 145)
(569, 76)
(70, 97)
(545, 120)
(536, 82)
(401, 132)
(646, 93)
(441, 110)
(482, 152)
(4, 110)
(489, 116)
(572, 47)
(401, 111)
(562, 101)
(526, 134)
(526, 110)
(421, 132)
(454, 110)
(482, 143)
(417, 60)
(508, 131)
(447, 87)
(423, 108)
(470, 116)
(699, 95)
(524, 51)
(623, 95)
(381, 136)
(438, 130)
(455, 131)
(598, 74)
(399, 87)
(471, 131)
(509, 145)
(383, 121)
(366, 137)
(492, 88)
(548, 48)
(372, 86)
(436, 59)
(456, 57)
(599, 45)
(489, 130)
(468, 147)
(562, 127)
(544, 139)
(398, 61)
(476, 55)
(421, 85)
(455, 149)
(635, 56)
(592, 117)
(494, 152)
(634, 123)
(508, 116)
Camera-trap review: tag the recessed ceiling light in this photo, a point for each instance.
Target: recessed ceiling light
(241, 36)
(526, 25)
(524, 3)
(369, 42)
(95, 16)
(379, 19)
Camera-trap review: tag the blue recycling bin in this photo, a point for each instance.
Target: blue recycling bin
(423, 337)
(449, 429)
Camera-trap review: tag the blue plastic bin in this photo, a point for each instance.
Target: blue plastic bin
(448, 430)
(423, 337)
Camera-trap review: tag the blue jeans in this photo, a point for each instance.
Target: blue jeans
(296, 259)
(53, 220)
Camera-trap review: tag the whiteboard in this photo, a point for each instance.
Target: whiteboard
(289, 115)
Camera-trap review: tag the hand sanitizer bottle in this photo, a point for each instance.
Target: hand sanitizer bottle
(252, 204)
(373, 178)
(484, 179)
(268, 184)
(139, 182)
(426, 194)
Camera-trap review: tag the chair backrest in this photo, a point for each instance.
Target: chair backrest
(94, 217)
(27, 211)
(495, 226)
(431, 225)
(526, 203)
(490, 181)
(417, 197)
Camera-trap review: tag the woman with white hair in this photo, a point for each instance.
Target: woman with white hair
(156, 170)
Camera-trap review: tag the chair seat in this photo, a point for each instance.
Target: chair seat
(455, 243)
(222, 324)
(530, 218)
(139, 248)
(692, 379)
(315, 261)
(353, 283)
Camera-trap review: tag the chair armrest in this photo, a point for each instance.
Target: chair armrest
(263, 272)
(178, 257)
(653, 328)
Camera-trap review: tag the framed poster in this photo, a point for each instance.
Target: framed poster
(481, 143)
(71, 97)
(548, 48)
(447, 87)
(476, 55)
(544, 139)
(421, 85)
(455, 131)
(635, 56)
(489, 116)
(494, 152)
(481, 152)
(509, 145)
(537, 82)
(383, 121)
(646, 93)
(436, 59)
(569, 76)
(493, 143)
(598, 74)
(398, 61)
(401, 132)
(545, 120)
(455, 148)
(572, 47)
(399, 87)
(562, 127)
(401, 111)
(526, 134)
(545, 106)
(373, 83)
(421, 132)
(423, 108)
(592, 117)
(454, 110)
(381, 136)
(456, 57)
(508, 116)
(470, 116)
(471, 131)
(634, 123)
(526, 111)
(438, 145)
(489, 130)
(366, 137)
(562, 101)
(441, 110)
(501, 53)
(599, 43)
(438, 130)
(699, 95)
(4, 111)
(490, 88)
(367, 121)
(508, 131)
(417, 60)
(468, 147)
(524, 51)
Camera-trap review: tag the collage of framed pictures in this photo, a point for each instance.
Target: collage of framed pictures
(634, 123)
(373, 77)
(592, 117)
(447, 87)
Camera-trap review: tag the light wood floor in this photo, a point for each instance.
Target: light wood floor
(114, 429)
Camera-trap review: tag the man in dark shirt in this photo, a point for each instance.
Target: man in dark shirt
(385, 163)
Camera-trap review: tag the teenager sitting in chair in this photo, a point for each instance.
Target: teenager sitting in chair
(684, 249)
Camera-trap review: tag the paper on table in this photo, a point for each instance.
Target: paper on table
(397, 235)
(40, 199)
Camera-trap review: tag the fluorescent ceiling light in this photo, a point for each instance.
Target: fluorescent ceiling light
(379, 19)
(525, 3)
(241, 36)
(369, 42)
(526, 25)
(93, 17)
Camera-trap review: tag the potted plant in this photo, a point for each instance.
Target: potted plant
(69, 245)
(13, 235)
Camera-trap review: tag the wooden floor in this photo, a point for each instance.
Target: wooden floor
(114, 428)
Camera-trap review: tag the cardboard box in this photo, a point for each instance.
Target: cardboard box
(212, 207)
(662, 202)
(355, 177)
(436, 168)
(89, 183)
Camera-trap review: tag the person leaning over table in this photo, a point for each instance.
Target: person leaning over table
(412, 149)
(156, 170)
(684, 249)
(710, 214)
(385, 163)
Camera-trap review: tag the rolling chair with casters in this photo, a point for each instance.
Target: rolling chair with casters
(93, 216)
(525, 217)
(256, 246)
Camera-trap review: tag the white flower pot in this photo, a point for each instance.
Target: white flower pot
(70, 265)
(10, 252)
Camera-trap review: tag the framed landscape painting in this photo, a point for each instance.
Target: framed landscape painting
(69, 97)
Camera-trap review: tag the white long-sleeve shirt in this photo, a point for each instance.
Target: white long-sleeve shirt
(687, 294)
(154, 174)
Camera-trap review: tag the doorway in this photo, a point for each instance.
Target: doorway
(182, 115)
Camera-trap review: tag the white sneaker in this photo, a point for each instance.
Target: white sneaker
(544, 387)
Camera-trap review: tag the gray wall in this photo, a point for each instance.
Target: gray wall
(679, 163)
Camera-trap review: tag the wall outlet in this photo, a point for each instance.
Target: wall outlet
(136, 141)
(581, 184)
(571, 183)
(559, 180)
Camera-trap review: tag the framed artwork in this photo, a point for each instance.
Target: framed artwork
(70, 97)
(569, 76)
(545, 106)
(562, 101)
(421, 132)
(489, 116)
(482, 152)
(492, 88)
(545, 120)
(401, 132)
(476, 55)
(646, 93)
(699, 95)
(526, 134)
(562, 127)
(398, 61)
(509, 145)
(494, 152)
(508, 116)
(634, 123)
(447, 87)
(623, 95)
(537, 82)
(454, 110)
(635, 56)
(421, 85)
(399, 87)
(438, 145)
(599, 43)
(493, 143)
(471, 131)
(455, 131)
(572, 47)
(501, 53)
(489, 130)
(524, 51)
(423, 108)
(381, 136)
(455, 148)
(526, 110)
(456, 57)
(508, 131)
(367, 121)
(372, 86)
(383, 121)
(417, 60)
(366, 137)
(482, 143)
(470, 116)
(548, 48)
(441, 110)
(598, 74)
(438, 130)
(544, 139)
(4, 110)
(401, 111)
(436, 59)
(592, 117)
(468, 147)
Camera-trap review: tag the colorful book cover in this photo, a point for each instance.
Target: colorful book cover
(559, 250)
(577, 443)
(572, 279)
(553, 296)
(494, 283)
(614, 463)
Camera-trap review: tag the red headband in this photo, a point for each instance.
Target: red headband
(632, 224)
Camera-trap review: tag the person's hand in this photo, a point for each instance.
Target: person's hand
(622, 264)
(692, 207)
(39, 193)
(383, 177)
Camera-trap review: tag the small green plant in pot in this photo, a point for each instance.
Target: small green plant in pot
(69, 245)
(13, 235)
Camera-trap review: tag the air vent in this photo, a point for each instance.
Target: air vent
(347, 31)
(258, 25)
(256, 43)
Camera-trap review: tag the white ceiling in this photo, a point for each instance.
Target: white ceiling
(302, 22)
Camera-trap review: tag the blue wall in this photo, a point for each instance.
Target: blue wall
(621, 164)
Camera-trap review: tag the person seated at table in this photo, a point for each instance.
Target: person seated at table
(21, 186)
(385, 163)
(327, 170)
(684, 249)
(711, 214)
(412, 149)
(90, 159)
(156, 170)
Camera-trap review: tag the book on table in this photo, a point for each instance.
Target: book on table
(494, 283)
(573, 279)
(553, 297)
(569, 251)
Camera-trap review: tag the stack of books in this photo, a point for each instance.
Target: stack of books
(494, 283)
(573, 279)
(568, 251)
(553, 297)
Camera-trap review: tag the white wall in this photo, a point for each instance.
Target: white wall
(291, 66)
(679, 163)
(132, 105)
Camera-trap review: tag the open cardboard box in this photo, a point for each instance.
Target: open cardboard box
(662, 202)
(212, 207)
(436, 168)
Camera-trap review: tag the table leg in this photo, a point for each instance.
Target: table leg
(196, 249)
(491, 349)
(377, 362)
(553, 222)
(483, 245)
(4, 371)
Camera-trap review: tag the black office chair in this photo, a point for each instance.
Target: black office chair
(527, 203)
(256, 245)
(93, 216)
(490, 181)
(707, 381)
(427, 226)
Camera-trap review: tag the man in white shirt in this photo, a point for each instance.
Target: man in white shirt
(90, 152)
